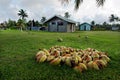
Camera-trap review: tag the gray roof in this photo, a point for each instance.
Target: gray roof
(63, 18)
(85, 23)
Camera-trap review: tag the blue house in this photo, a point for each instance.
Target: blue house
(34, 28)
(85, 27)
(115, 28)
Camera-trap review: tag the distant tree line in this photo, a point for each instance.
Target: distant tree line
(22, 23)
(114, 21)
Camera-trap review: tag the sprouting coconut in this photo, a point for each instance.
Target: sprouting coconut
(60, 40)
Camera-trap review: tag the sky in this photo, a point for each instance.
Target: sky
(36, 9)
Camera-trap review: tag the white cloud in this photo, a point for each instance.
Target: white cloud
(38, 8)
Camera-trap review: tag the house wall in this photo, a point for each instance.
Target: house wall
(85, 27)
(115, 28)
(55, 27)
(34, 28)
(70, 27)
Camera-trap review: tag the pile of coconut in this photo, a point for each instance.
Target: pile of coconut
(80, 60)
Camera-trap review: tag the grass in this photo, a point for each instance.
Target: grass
(18, 49)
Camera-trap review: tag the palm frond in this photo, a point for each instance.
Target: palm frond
(100, 2)
(77, 4)
(64, 1)
(22, 13)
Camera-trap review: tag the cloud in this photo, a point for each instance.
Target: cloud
(88, 11)
(38, 8)
(7, 10)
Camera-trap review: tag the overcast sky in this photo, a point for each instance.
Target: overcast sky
(87, 12)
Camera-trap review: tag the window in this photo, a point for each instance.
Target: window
(53, 23)
(60, 23)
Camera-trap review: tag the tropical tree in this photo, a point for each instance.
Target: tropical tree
(37, 23)
(78, 2)
(104, 24)
(0, 25)
(22, 13)
(21, 24)
(117, 19)
(11, 23)
(22, 21)
(43, 19)
(93, 25)
(3, 25)
(66, 15)
(112, 18)
(29, 23)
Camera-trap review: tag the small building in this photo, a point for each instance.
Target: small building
(35, 28)
(85, 27)
(115, 28)
(58, 23)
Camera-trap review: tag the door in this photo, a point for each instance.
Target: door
(61, 26)
(53, 27)
(85, 27)
(70, 27)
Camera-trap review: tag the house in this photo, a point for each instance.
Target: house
(114, 28)
(58, 23)
(85, 27)
(35, 28)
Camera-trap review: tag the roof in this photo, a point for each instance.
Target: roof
(115, 26)
(63, 18)
(85, 23)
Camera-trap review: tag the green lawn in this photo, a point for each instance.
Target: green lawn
(18, 49)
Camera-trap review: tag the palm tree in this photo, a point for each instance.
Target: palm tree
(93, 25)
(21, 23)
(117, 19)
(43, 19)
(22, 13)
(104, 24)
(11, 23)
(78, 2)
(112, 18)
(67, 15)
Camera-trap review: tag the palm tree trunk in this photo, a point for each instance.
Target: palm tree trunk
(22, 18)
(21, 28)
